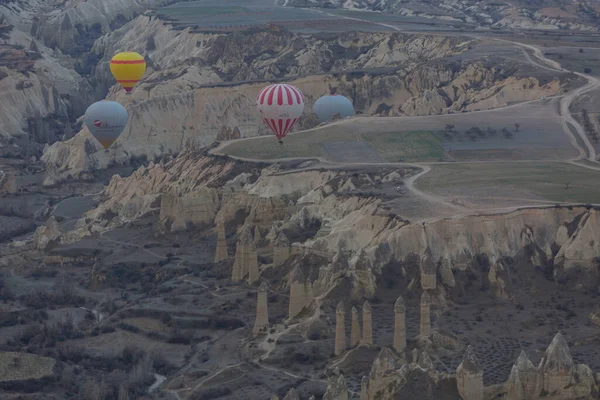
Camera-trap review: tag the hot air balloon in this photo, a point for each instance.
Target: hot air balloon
(280, 106)
(106, 120)
(327, 106)
(128, 68)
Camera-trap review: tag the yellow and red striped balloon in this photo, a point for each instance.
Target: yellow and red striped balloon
(128, 68)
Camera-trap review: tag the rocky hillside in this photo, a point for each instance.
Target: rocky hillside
(45, 68)
(562, 240)
(201, 87)
(552, 15)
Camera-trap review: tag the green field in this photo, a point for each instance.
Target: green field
(189, 12)
(546, 180)
(389, 146)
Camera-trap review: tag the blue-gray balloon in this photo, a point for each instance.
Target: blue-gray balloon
(328, 106)
(106, 120)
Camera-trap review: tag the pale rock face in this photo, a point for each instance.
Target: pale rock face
(292, 395)
(340, 329)
(514, 387)
(46, 234)
(556, 368)
(528, 376)
(469, 377)
(337, 390)
(367, 334)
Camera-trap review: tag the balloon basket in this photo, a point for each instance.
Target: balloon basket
(281, 143)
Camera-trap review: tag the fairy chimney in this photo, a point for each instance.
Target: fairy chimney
(221, 253)
(367, 334)
(399, 326)
(528, 376)
(514, 387)
(308, 293)
(262, 312)
(354, 329)
(340, 330)
(428, 273)
(297, 292)
(469, 377)
(246, 260)
(556, 367)
(281, 250)
(364, 388)
(425, 327)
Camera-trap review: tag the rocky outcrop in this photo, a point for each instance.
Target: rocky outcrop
(355, 334)
(246, 260)
(221, 253)
(367, 333)
(337, 389)
(340, 329)
(425, 325)
(8, 184)
(399, 326)
(262, 313)
(469, 377)
(47, 234)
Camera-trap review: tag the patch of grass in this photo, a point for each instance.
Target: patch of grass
(546, 180)
(406, 146)
(391, 146)
(23, 366)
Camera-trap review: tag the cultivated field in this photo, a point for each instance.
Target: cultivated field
(485, 182)
(395, 139)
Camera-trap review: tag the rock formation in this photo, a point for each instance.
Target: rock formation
(221, 253)
(298, 295)
(8, 183)
(47, 234)
(399, 326)
(367, 333)
(262, 312)
(425, 326)
(469, 377)
(281, 249)
(364, 388)
(514, 387)
(340, 329)
(355, 335)
(337, 389)
(246, 260)
(428, 273)
(528, 376)
(292, 395)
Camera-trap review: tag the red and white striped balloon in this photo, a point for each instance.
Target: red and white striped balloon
(280, 106)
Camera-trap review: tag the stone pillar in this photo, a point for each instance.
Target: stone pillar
(297, 292)
(245, 255)
(340, 329)
(281, 250)
(364, 388)
(262, 312)
(308, 293)
(399, 326)
(354, 329)
(428, 273)
(367, 335)
(469, 377)
(253, 274)
(425, 327)
(221, 253)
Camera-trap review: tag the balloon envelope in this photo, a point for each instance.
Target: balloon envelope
(128, 68)
(106, 120)
(280, 106)
(327, 106)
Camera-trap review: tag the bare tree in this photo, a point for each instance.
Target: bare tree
(517, 126)
(507, 134)
(567, 185)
